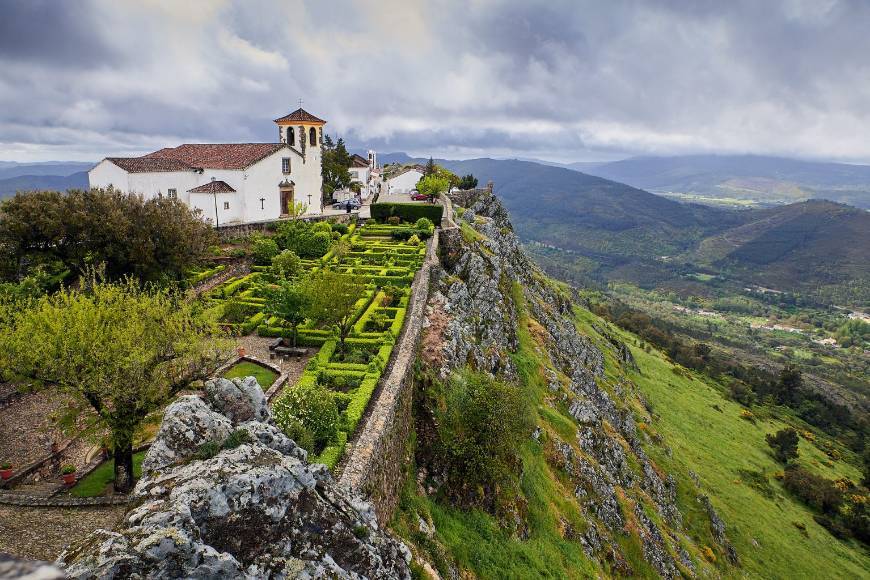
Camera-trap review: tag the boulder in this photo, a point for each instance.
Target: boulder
(256, 510)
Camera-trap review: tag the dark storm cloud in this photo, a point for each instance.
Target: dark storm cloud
(559, 79)
(50, 32)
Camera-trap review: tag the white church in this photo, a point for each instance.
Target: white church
(232, 183)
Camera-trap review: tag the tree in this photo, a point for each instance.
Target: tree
(157, 240)
(430, 168)
(784, 444)
(333, 301)
(790, 384)
(289, 302)
(119, 349)
(334, 167)
(432, 186)
(263, 249)
(467, 182)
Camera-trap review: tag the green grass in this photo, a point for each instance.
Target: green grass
(723, 449)
(265, 376)
(95, 482)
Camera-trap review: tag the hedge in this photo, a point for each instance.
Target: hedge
(408, 212)
(331, 454)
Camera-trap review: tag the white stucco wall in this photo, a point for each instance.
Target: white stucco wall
(260, 180)
(405, 182)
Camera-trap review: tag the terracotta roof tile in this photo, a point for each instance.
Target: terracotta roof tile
(300, 115)
(219, 155)
(149, 165)
(213, 187)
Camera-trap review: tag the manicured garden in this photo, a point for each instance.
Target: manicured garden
(95, 483)
(350, 300)
(264, 375)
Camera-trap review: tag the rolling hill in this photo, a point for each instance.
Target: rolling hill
(10, 185)
(767, 180)
(597, 229)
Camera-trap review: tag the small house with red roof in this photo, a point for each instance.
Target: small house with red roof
(230, 183)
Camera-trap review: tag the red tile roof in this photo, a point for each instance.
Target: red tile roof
(213, 187)
(358, 161)
(218, 156)
(149, 165)
(302, 116)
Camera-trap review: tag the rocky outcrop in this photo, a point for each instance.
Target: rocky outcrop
(225, 494)
(473, 319)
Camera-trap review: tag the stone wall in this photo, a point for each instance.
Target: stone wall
(377, 455)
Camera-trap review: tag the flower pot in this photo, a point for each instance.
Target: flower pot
(242, 351)
(5, 474)
(69, 478)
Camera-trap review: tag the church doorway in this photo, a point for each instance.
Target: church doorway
(287, 198)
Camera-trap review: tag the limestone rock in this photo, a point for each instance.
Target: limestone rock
(239, 400)
(253, 511)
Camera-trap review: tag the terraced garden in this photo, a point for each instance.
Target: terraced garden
(383, 267)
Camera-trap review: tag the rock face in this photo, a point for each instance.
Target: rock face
(252, 510)
(473, 314)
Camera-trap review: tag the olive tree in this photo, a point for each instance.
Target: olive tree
(116, 347)
(333, 301)
(288, 301)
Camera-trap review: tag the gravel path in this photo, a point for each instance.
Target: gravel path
(258, 347)
(42, 533)
(26, 431)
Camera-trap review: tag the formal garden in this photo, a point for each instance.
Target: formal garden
(350, 301)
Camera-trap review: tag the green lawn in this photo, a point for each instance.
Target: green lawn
(265, 376)
(706, 435)
(95, 482)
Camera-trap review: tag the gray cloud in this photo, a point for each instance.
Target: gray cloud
(564, 80)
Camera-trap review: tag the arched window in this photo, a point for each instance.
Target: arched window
(291, 136)
(312, 137)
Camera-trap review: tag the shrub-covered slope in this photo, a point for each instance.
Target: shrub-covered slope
(628, 465)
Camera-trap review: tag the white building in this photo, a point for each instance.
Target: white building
(360, 169)
(405, 181)
(230, 183)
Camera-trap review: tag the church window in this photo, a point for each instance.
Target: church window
(172, 194)
(226, 205)
(291, 136)
(285, 165)
(312, 137)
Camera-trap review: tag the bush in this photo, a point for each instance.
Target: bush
(784, 444)
(414, 240)
(402, 234)
(813, 489)
(321, 227)
(424, 224)
(307, 240)
(263, 250)
(394, 220)
(314, 407)
(287, 264)
(407, 212)
(342, 229)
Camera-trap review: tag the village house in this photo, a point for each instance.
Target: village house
(231, 183)
(406, 180)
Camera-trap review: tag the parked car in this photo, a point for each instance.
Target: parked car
(347, 203)
(417, 196)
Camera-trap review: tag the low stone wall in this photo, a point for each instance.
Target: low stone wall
(374, 464)
(230, 231)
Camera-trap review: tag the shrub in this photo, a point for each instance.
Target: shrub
(314, 407)
(424, 224)
(394, 220)
(263, 250)
(67, 469)
(414, 240)
(287, 264)
(784, 444)
(402, 234)
(407, 212)
(321, 227)
(342, 229)
(813, 489)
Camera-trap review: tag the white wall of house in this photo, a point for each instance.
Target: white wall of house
(405, 182)
(259, 181)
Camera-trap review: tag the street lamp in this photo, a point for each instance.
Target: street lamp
(214, 193)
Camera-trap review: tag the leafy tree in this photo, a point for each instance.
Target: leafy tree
(286, 265)
(467, 182)
(312, 407)
(117, 348)
(789, 385)
(334, 165)
(304, 239)
(784, 444)
(432, 186)
(157, 240)
(333, 301)
(289, 302)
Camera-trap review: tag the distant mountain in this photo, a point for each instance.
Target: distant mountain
(767, 180)
(592, 229)
(10, 169)
(10, 185)
(802, 246)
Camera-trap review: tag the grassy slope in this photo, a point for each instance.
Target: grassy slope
(265, 377)
(716, 445)
(95, 482)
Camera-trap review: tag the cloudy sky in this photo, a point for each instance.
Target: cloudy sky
(563, 80)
